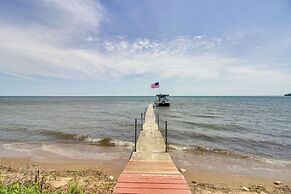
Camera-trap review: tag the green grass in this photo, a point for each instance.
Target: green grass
(32, 181)
(17, 188)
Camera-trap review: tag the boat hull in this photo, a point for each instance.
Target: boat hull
(163, 104)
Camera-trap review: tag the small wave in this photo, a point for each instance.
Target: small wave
(206, 125)
(20, 129)
(107, 141)
(14, 129)
(65, 136)
(201, 150)
(206, 150)
(41, 150)
(204, 137)
(214, 126)
(208, 116)
(174, 116)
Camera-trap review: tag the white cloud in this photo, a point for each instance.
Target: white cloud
(179, 59)
(60, 21)
(80, 11)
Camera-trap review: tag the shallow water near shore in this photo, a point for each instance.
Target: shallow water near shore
(246, 135)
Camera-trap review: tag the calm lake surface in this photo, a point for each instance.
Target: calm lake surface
(238, 127)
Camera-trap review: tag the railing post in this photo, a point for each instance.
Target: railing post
(166, 131)
(158, 120)
(135, 131)
(141, 120)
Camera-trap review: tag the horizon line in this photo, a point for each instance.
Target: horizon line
(141, 95)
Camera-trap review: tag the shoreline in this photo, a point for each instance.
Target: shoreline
(112, 168)
(199, 180)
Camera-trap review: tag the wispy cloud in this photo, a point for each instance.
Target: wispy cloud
(80, 11)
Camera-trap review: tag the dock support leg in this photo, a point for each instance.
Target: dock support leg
(166, 131)
(135, 131)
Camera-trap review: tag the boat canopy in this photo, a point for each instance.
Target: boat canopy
(162, 95)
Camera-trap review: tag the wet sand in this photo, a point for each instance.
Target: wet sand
(113, 168)
(200, 180)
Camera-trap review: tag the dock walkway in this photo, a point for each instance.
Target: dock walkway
(150, 169)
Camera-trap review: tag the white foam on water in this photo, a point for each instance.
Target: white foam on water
(178, 147)
(123, 143)
(69, 151)
(20, 147)
(74, 151)
(92, 140)
(274, 162)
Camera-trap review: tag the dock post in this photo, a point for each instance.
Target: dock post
(135, 131)
(141, 120)
(166, 131)
(158, 120)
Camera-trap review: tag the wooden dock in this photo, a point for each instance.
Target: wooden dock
(150, 169)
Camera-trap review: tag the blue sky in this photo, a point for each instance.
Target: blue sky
(120, 47)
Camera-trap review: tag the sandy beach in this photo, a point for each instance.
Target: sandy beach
(94, 176)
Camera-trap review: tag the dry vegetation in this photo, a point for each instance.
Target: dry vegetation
(32, 181)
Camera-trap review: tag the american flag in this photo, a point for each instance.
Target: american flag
(155, 85)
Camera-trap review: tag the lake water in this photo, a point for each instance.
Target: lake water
(245, 128)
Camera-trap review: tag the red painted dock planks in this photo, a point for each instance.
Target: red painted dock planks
(150, 191)
(147, 178)
(148, 184)
(151, 177)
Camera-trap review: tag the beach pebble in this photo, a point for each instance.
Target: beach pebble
(182, 170)
(245, 189)
(277, 182)
(111, 177)
(61, 182)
